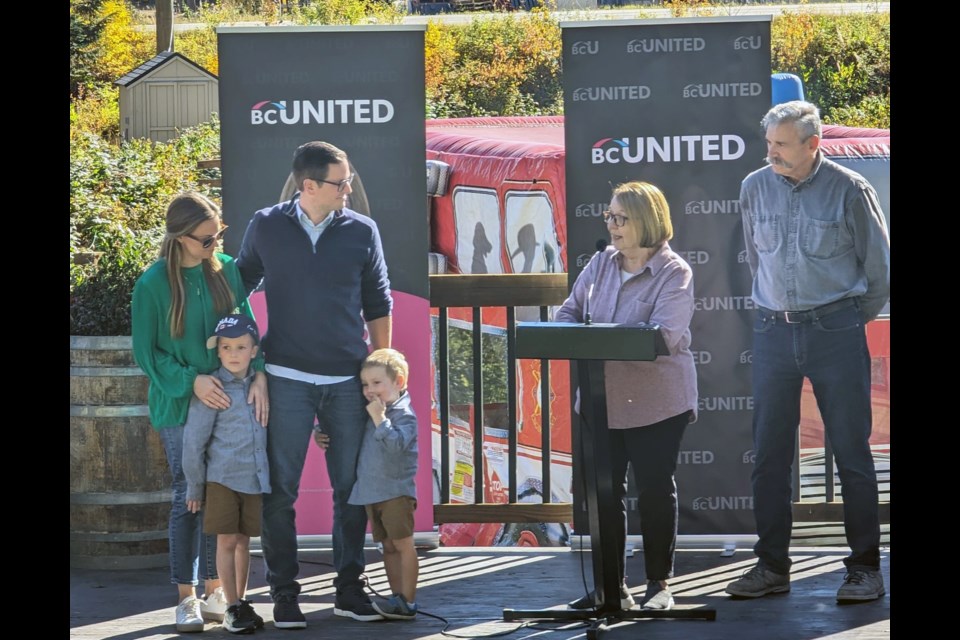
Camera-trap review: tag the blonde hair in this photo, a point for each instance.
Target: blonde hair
(392, 361)
(185, 213)
(648, 211)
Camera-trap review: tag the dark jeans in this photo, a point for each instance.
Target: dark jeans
(832, 353)
(340, 409)
(652, 453)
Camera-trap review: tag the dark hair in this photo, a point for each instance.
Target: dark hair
(313, 159)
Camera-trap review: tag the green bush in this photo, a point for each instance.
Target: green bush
(119, 195)
(507, 65)
(843, 60)
(510, 64)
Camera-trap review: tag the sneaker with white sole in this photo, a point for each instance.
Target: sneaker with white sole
(396, 607)
(287, 613)
(353, 602)
(860, 585)
(189, 619)
(214, 605)
(257, 620)
(239, 619)
(759, 581)
(657, 597)
(589, 601)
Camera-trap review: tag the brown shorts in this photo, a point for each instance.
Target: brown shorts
(392, 519)
(228, 511)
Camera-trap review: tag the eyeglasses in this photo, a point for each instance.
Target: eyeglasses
(208, 241)
(618, 220)
(340, 184)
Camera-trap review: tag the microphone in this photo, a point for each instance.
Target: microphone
(586, 306)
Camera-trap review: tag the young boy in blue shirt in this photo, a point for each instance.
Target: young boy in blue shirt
(225, 463)
(386, 474)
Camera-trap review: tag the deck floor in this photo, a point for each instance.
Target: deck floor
(462, 593)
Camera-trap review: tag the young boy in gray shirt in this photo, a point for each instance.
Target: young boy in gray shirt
(225, 463)
(386, 474)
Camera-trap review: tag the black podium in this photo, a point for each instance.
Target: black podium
(589, 345)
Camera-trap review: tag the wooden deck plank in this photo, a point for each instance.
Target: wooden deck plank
(466, 590)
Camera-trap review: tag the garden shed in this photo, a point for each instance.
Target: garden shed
(164, 94)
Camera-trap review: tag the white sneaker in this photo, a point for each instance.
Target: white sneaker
(188, 615)
(214, 605)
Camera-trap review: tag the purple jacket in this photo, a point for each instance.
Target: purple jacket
(642, 393)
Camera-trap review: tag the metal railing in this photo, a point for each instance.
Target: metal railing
(477, 292)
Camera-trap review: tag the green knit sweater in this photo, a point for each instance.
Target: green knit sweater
(172, 364)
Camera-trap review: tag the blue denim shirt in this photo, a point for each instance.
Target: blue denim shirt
(817, 241)
(387, 467)
(228, 447)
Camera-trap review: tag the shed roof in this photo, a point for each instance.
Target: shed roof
(155, 63)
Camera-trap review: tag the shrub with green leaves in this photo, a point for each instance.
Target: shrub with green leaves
(119, 195)
(506, 65)
(843, 60)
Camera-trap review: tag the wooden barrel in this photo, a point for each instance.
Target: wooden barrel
(120, 483)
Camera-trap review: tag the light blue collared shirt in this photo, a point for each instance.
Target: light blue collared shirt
(817, 241)
(313, 230)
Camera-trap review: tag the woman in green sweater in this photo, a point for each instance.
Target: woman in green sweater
(176, 305)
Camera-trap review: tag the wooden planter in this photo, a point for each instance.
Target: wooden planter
(119, 478)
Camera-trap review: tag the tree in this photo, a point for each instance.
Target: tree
(164, 25)
(86, 26)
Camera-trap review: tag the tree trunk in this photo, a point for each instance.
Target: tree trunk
(164, 25)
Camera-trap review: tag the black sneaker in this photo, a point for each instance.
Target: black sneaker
(758, 581)
(286, 612)
(257, 620)
(353, 602)
(237, 619)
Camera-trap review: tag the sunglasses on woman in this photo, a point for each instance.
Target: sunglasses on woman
(208, 241)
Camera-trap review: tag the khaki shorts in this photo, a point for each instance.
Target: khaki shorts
(392, 519)
(227, 511)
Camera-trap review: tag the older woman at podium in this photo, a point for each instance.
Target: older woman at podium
(638, 278)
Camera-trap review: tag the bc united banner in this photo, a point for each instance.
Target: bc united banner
(361, 89)
(678, 103)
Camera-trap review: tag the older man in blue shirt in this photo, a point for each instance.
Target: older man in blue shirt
(819, 253)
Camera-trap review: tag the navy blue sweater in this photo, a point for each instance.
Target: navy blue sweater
(315, 294)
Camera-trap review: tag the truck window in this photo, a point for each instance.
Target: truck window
(476, 214)
(529, 234)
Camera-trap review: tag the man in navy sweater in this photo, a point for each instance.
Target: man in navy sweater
(321, 265)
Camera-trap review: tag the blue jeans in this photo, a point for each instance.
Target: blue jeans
(652, 452)
(193, 553)
(832, 352)
(341, 412)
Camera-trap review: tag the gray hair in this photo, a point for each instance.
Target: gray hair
(804, 116)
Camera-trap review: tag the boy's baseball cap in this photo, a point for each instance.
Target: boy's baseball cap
(234, 326)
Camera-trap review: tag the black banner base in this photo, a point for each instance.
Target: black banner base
(602, 619)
